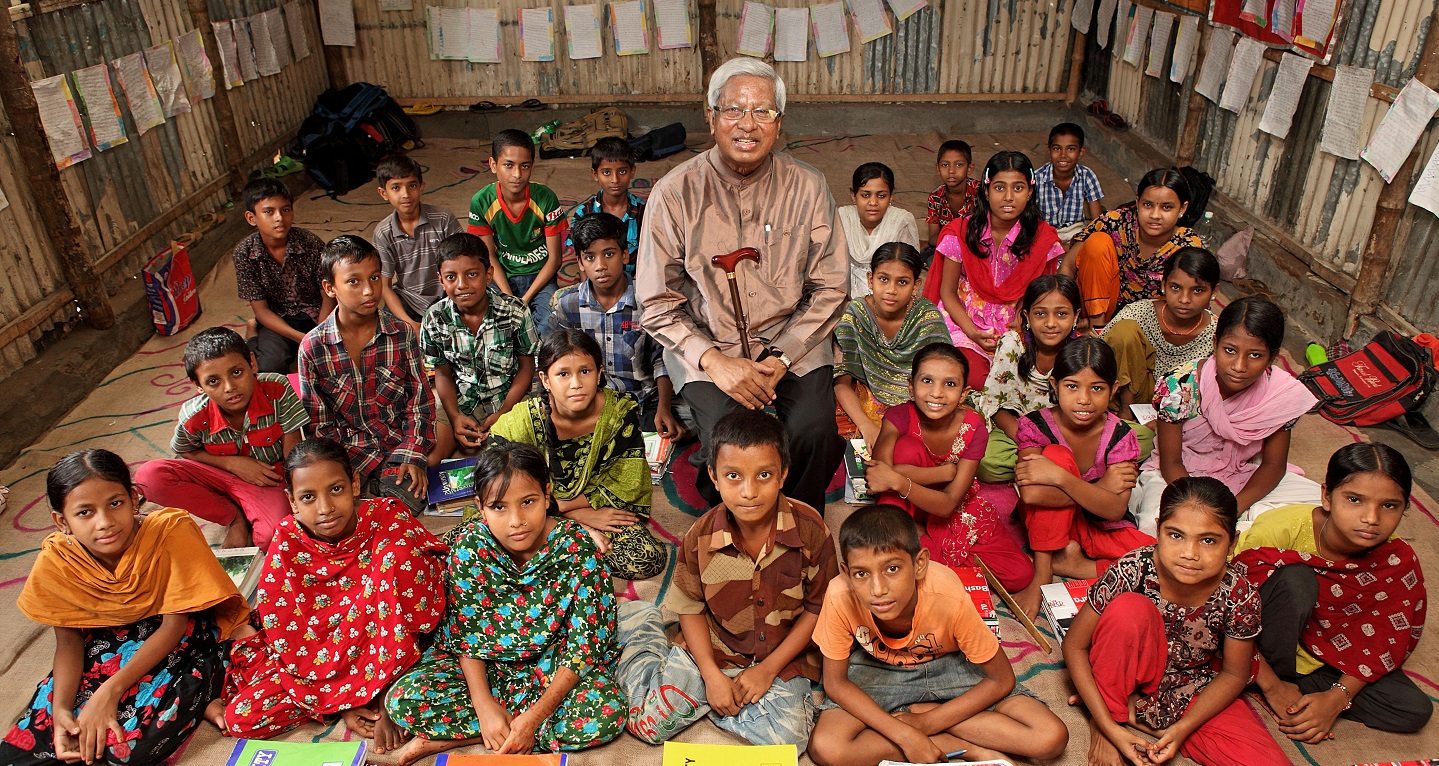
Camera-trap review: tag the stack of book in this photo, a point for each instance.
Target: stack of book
(856, 490)
(243, 566)
(1062, 601)
(979, 592)
(452, 487)
(658, 450)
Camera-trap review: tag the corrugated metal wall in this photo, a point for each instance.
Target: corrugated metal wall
(1410, 291)
(176, 170)
(957, 47)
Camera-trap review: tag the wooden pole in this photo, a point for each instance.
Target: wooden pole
(1076, 68)
(45, 185)
(1377, 261)
(1188, 146)
(224, 108)
(709, 44)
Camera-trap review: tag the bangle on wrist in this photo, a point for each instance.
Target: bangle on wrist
(1348, 698)
(908, 489)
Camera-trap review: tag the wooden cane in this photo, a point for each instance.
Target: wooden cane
(729, 262)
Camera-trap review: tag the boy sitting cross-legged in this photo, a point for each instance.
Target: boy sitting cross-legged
(747, 587)
(362, 382)
(925, 653)
(407, 238)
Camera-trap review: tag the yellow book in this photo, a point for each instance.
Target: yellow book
(694, 754)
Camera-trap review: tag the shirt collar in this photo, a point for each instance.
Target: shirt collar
(330, 328)
(626, 301)
(399, 231)
(722, 534)
(260, 406)
(727, 174)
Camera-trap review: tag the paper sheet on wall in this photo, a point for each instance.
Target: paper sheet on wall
(632, 34)
(449, 30)
(229, 65)
(4, 203)
(1253, 11)
(245, 50)
(279, 37)
(672, 24)
(61, 120)
(756, 29)
(295, 23)
(1316, 22)
(1395, 137)
(1186, 41)
(267, 61)
(582, 32)
(1138, 34)
(1121, 27)
(397, 5)
(1082, 15)
(1104, 22)
(537, 34)
(831, 34)
(165, 73)
(1159, 43)
(903, 9)
(1244, 66)
(140, 94)
(1343, 134)
(1284, 95)
(1210, 82)
(337, 22)
(195, 65)
(482, 45)
(1426, 189)
(1281, 19)
(791, 34)
(107, 127)
(870, 20)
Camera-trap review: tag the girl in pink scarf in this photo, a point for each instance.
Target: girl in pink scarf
(1228, 416)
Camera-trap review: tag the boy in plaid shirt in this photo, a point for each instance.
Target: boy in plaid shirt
(1068, 192)
(361, 379)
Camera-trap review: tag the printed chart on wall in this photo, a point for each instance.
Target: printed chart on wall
(1307, 25)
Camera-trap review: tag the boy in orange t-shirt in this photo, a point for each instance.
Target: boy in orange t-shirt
(926, 652)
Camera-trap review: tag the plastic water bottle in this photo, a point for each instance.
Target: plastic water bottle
(544, 130)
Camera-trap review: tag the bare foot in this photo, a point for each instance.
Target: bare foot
(215, 713)
(360, 720)
(388, 734)
(1102, 752)
(420, 748)
(237, 535)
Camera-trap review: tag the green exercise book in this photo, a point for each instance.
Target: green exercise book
(259, 752)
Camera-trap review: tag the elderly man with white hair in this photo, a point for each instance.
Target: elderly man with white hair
(742, 193)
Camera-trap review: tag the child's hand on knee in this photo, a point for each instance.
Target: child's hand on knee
(494, 724)
(919, 748)
(521, 738)
(753, 684)
(721, 693)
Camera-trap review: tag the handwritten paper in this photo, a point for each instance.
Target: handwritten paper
(245, 50)
(1426, 189)
(1316, 21)
(582, 32)
(1186, 41)
(1159, 43)
(266, 59)
(337, 22)
(1138, 34)
(225, 42)
(165, 73)
(295, 22)
(1400, 129)
(482, 42)
(195, 64)
(903, 9)
(1253, 12)
(140, 94)
(1284, 95)
(831, 35)
(61, 120)
(1105, 21)
(107, 127)
(449, 30)
(1344, 116)
(537, 34)
(1216, 64)
(1082, 14)
(870, 20)
(791, 34)
(1121, 28)
(756, 29)
(672, 24)
(278, 36)
(632, 35)
(1281, 19)
(1243, 68)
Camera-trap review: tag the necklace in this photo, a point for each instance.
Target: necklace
(1164, 309)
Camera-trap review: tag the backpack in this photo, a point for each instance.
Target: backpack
(347, 133)
(1388, 377)
(574, 138)
(659, 143)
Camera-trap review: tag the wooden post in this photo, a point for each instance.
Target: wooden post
(1188, 144)
(1377, 261)
(224, 108)
(709, 43)
(55, 212)
(1076, 68)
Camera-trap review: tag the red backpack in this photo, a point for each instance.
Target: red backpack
(1388, 377)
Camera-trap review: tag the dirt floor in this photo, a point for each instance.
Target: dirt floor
(132, 412)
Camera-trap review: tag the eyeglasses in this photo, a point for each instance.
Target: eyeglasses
(735, 114)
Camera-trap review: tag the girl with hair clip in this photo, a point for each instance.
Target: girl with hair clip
(1153, 337)
(925, 463)
(140, 608)
(592, 439)
(1229, 416)
(1344, 601)
(991, 256)
(1019, 380)
(1166, 640)
(338, 562)
(1077, 464)
(523, 659)
(873, 221)
(1119, 258)
(877, 337)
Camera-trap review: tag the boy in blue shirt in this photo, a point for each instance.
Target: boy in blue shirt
(612, 163)
(1068, 191)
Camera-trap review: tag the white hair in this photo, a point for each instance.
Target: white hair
(744, 67)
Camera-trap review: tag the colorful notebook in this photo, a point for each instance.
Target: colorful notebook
(259, 752)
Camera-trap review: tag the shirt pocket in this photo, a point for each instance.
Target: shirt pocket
(782, 261)
(389, 388)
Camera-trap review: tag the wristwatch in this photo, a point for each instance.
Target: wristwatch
(775, 352)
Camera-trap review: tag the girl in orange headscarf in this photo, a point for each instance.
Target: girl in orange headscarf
(139, 607)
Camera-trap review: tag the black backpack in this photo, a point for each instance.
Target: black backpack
(347, 133)
(659, 143)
